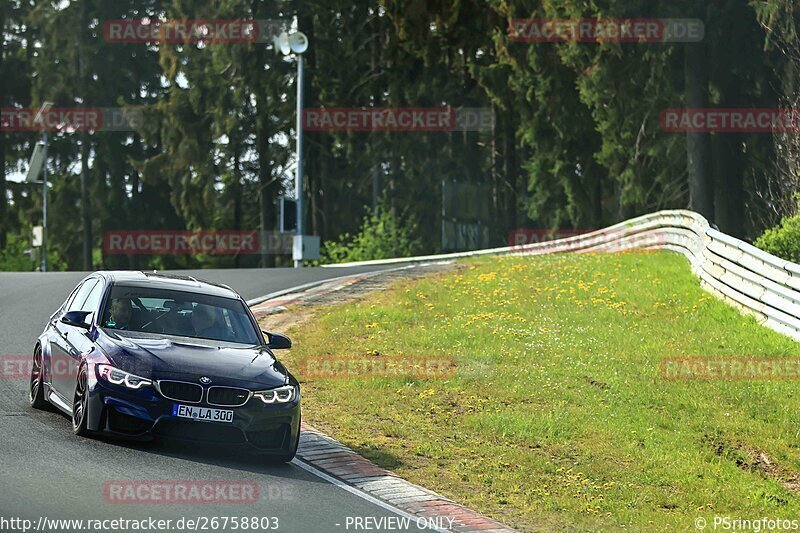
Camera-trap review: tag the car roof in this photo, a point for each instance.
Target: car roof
(176, 282)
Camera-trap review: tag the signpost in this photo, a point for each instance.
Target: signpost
(36, 166)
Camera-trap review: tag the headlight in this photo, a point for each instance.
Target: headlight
(283, 394)
(119, 377)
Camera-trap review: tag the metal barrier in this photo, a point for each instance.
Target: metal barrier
(754, 281)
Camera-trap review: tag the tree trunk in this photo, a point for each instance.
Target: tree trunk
(85, 208)
(3, 100)
(324, 166)
(728, 184)
(596, 194)
(237, 193)
(133, 206)
(514, 179)
(728, 163)
(267, 187)
(698, 145)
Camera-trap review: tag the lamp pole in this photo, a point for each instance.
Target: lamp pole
(298, 180)
(44, 207)
(296, 44)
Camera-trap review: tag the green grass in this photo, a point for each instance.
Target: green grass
(557, 415)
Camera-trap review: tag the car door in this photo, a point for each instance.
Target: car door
(81, 338)
(54, 339)
(69, 342)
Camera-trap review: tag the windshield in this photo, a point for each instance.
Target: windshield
(178, 313)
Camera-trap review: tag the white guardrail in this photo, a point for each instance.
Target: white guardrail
(754, 281)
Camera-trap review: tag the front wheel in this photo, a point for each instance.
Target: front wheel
(36, 390)
(80, 405)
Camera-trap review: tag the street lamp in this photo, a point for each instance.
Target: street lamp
(296, 43)
(38, 163)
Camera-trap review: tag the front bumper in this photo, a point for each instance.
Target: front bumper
(144, 414)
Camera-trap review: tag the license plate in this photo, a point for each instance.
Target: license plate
(202, 414)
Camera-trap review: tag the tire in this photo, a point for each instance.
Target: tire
(80, 404)
(36, 387)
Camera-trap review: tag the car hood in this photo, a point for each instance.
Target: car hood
(189, 359)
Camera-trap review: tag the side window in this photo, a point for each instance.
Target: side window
(71, 297)
(93, 300)
(77, 303)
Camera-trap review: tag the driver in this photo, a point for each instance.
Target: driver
(121, 313)
(205, 322)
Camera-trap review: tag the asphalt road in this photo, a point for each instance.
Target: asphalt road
(46, 471)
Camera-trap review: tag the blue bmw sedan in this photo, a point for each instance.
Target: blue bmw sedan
(139, 355)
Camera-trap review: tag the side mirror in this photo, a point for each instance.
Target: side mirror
(76, 318)
(276, 341)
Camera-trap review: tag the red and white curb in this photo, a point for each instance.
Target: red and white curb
(339, 461)
(279, 303)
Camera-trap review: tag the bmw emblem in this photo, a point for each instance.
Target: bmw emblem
(205, 381)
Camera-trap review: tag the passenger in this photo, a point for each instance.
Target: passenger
(206, 323)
